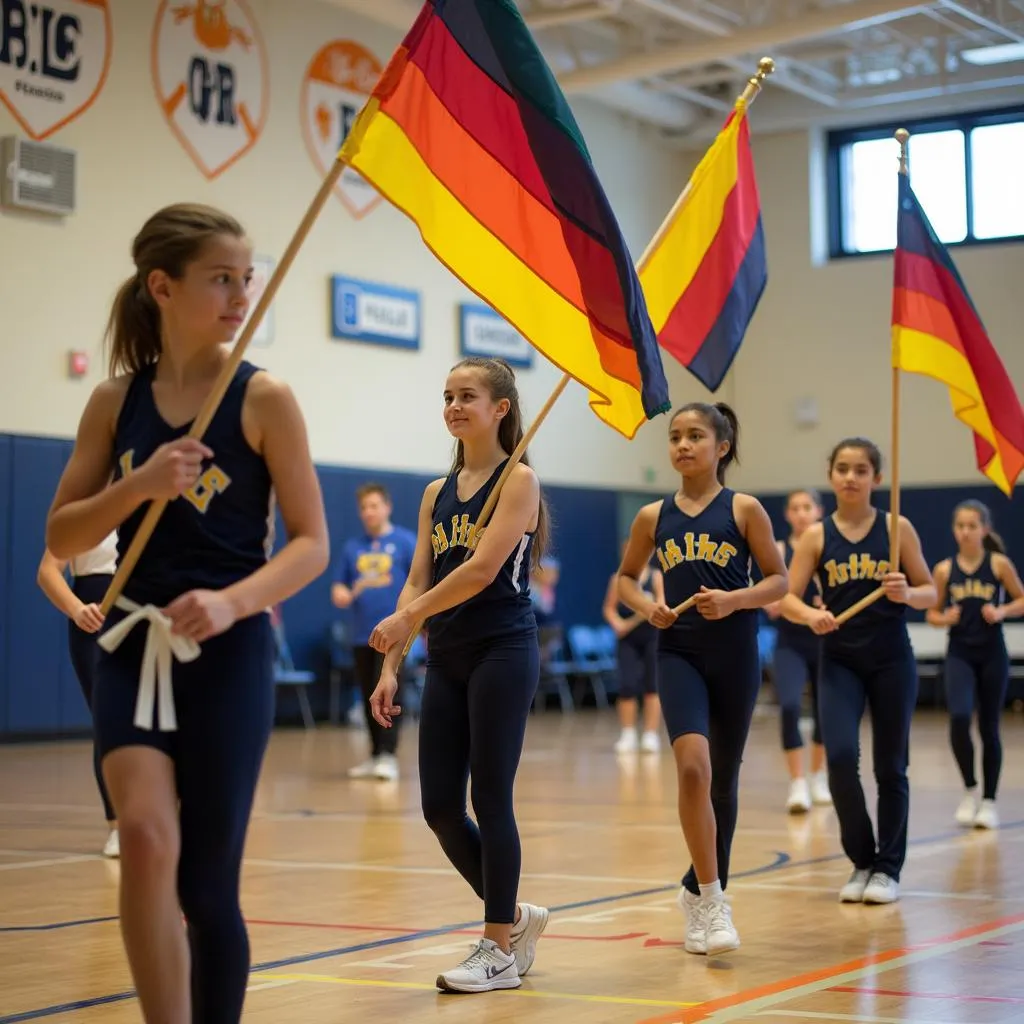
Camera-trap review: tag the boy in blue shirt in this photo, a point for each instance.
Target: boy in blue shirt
(371, 573)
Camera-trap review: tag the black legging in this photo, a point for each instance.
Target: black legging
(84, 649)
(793, 669)
(886, 682)
(476, 702)
(367, 665)
(979, 677)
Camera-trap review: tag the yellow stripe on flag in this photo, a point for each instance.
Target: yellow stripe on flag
(670, 268)
(386, 158)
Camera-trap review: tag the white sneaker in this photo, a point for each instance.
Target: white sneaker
(967, 810)
(112, 847)
(881, 889)
(820, 793)
(626, 743)
(487, 968)
(987, 816)
(693, 907)
(853, 891)
(722, 936)
(366, 770)
(650, 742)
(525, 933)
(386, 768)
(799, 801)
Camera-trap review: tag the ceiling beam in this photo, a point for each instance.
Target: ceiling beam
(763, 38)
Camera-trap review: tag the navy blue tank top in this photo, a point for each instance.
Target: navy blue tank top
(221, 529)
(703, 550)
(971, 592)
(503, 608)
(793, 635)
(850, 571)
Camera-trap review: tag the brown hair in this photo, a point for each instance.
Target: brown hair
(991, 541)
(871, 452)
(365, 490)
(500, 380)
(722, 420)
(170, 240)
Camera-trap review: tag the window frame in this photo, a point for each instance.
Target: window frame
(838, 139)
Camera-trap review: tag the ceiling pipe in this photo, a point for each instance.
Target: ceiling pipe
(758, 40)
(572, 15)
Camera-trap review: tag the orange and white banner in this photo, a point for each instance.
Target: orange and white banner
(54, 58)
(212, 78)
(337, 84)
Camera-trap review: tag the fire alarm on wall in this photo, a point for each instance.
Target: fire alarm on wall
(78, 363)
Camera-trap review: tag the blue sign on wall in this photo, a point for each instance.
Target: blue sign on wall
(375, 313)
(482, 332)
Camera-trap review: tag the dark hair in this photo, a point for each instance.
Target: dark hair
(171, 239)
(811, 493)
(723, 422)
(365, 490)
(991, 541)
(500, 381)
(869, 448)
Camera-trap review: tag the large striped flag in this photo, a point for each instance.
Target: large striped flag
(704, 278)
(936, 331)
(469, 135)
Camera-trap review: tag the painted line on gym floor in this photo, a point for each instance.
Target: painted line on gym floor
(741, 1005)
(83, 1004)
(855, 1018)
(56, 925)
(530, 993)
(410, 931)
(950, 996)
(781, 862)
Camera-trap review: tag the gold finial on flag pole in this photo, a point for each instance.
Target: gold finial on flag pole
(903, 138)
(765, 66)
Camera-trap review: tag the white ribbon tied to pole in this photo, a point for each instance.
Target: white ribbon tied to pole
(155, 676)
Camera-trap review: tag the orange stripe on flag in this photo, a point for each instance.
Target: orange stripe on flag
(920, 312)
(483, 186)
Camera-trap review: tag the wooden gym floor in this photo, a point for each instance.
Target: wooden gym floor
(352, 909)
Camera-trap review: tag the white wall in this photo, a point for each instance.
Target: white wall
(365, 405)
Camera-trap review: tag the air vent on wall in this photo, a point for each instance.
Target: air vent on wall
(37, 176)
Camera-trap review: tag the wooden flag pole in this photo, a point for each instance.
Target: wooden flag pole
(765, 67)
(223, 381)
(902, 136)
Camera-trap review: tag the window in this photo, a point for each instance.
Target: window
(964, 170)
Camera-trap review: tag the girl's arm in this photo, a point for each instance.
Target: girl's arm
(658, 585)
(939, 615)
(639, 549)
(774, 610)
(273, 424)
(515, 512)
(87, 507)
(610, 609)
(1006, 573)
(50, 577)
(417, 582)
(801, 569)
(757, 528)
(913, 586)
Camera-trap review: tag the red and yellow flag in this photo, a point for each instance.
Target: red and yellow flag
(936, 331)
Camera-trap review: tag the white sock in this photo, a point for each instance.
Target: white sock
(711, 890)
